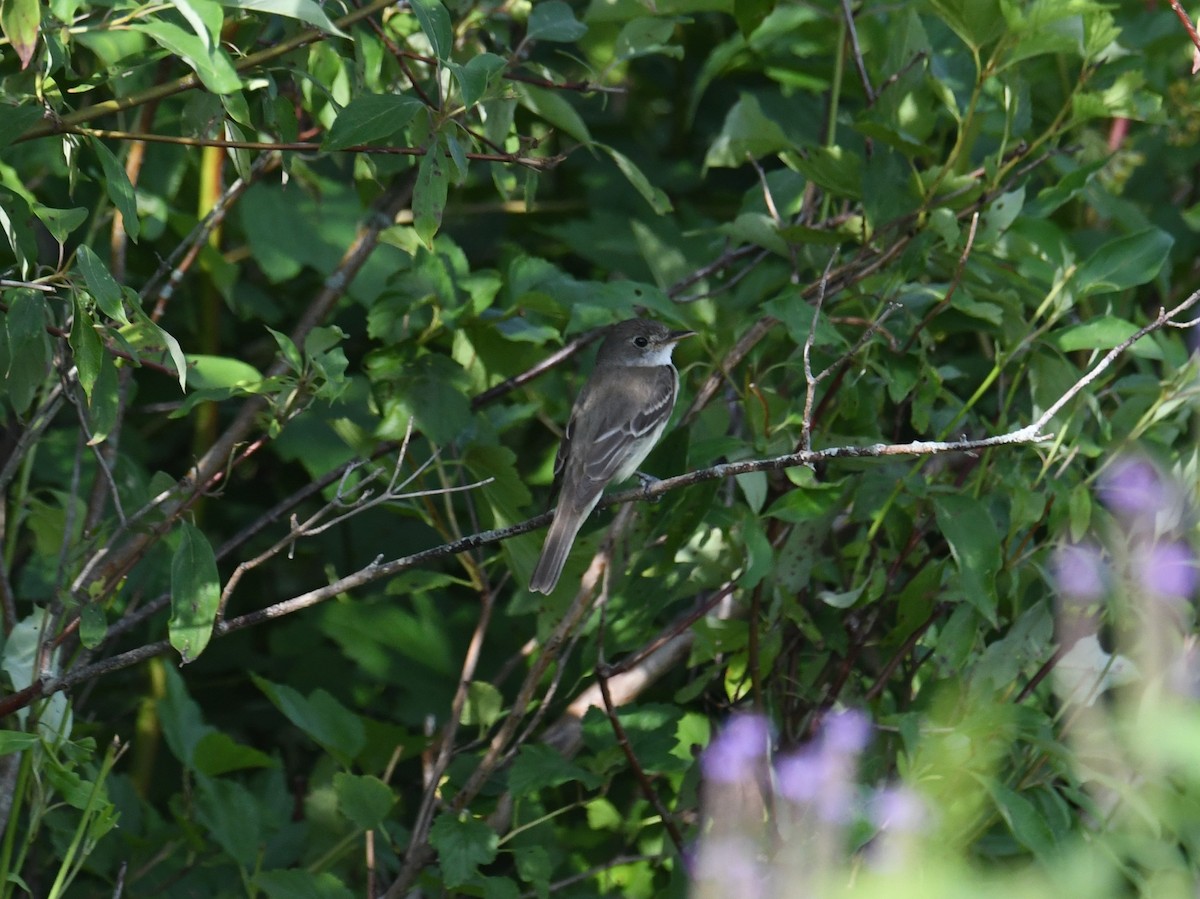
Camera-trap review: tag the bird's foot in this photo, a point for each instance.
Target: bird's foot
(647, 481)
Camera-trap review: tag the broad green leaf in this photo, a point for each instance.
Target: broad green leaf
(93, 625)
(1097, 334)
(477, 75)
(484, 704)
(646, 36)
(60, 222)
(211, 65)
(207, 372)
(554, 20)
(1022, 818)
(120, 191)
(16, 120)
(308, 11)
(555, 109)
(977, 22)
(363, 799)
(86, 346)
(746, 134)
(300, 883)
(435, 22)
(16, 741)
(101, 284)
(14, 220)
(462, 844)
(289, 351)
(429, 194)
(20, 19)
(323, 718)
(539, 766)
(657, 199)
(106, 400)
(232, 815)
(432, 390)
(205, 17)
(974, 544)
(1124, 262)
(28, 346)
(195, 593)
(218, 753)
(371, 119)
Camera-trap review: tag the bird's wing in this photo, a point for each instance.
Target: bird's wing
(632, 410)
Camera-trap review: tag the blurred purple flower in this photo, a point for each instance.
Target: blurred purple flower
(732, 755)
(1167, 570)
(897, 810)
(1079, 571)
(1132, 487)
(846, 732)
(729, 867)
(821, 774)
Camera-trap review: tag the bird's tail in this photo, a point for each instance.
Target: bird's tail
(561, 537)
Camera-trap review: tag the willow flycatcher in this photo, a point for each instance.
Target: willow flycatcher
(615, 422)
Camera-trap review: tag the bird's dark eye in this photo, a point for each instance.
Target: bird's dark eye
(641, 342)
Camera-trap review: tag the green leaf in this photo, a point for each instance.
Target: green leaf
(298, 883)
(1022, 818)
(14, 219)
(429, 194)
(208, 372)
(645, 36)
(287, 348)
(20, 19)
(28, 346)
(211, 64)
(92, 625)
(86, 346)
(432, 390)
(205, 17)
(305, 10)
(1124, 262)
(232, 816)
(484, 704)
(435, 22)
(323, 718)
(105, 401)
(657, 199)
(975, 546)
(101, 284)
(60, 222)
(365, 800)
(16, 741)
(462, 844)
(977, 22)
(16, 120)
(746, 134)
(539, 766)
(555, 109)
(1101, 333)
(120, 191)
(218, 753)
(554, 20)
(371, 119)
(477, 76)
(195, 593)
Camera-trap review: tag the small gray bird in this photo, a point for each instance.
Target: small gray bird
(617, 418)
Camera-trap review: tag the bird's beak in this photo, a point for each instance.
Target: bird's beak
(676, 336)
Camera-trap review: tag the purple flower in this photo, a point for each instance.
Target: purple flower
(821, 774)
(1079, 572)
(898, 810)
(846, 732)
(1167, 570)
(726, 866)
(1132, 487)
(733, 755)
